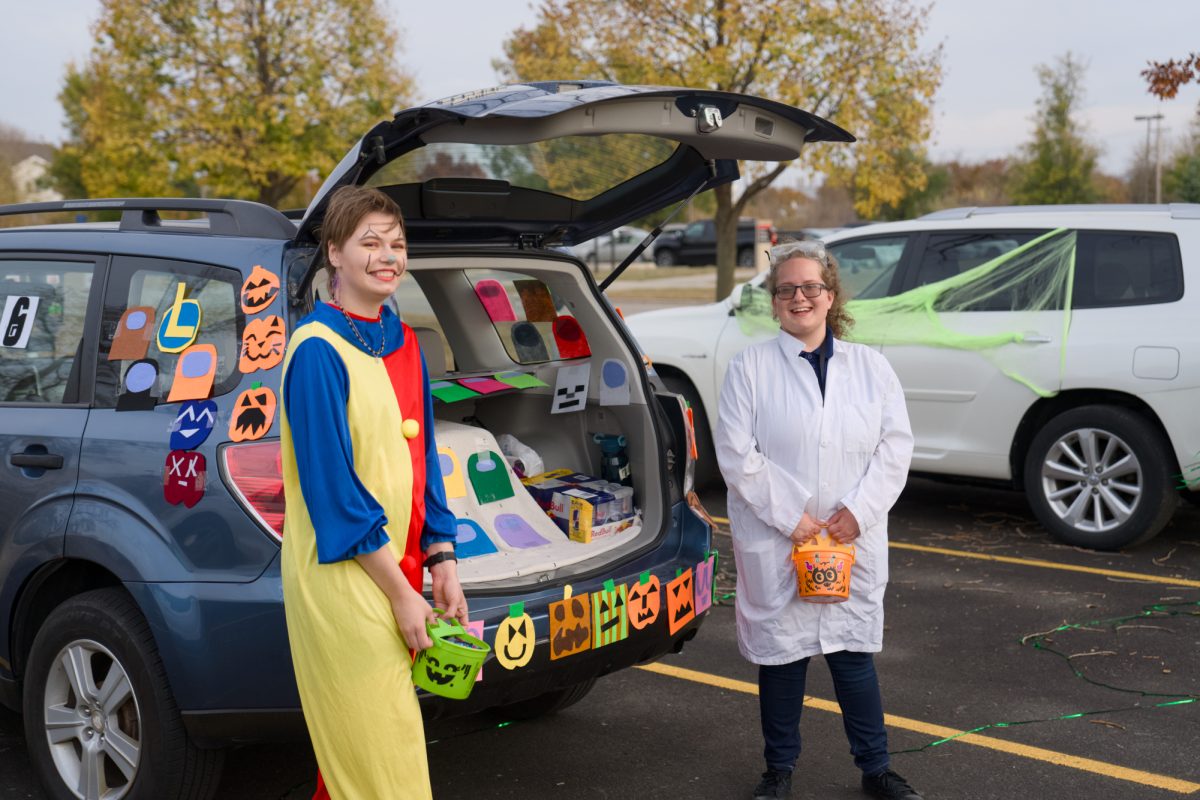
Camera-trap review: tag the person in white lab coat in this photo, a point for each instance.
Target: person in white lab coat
(813, 433)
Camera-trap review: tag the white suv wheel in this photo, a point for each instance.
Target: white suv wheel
(1092, 479)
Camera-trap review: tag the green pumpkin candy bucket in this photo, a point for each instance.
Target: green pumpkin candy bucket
(823, 569)
(449, 667)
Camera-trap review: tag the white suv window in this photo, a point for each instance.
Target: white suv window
(1126, 269)
(866, 266)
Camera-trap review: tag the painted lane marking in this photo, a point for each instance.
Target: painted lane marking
(1105, 769)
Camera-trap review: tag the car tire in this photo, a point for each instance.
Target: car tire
(1096, 477)
(96, 685)
(546, 704)
(664, 257)
(1192, 496)
(745, 257)
(708, 475)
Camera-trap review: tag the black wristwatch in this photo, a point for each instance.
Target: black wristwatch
(437, 558)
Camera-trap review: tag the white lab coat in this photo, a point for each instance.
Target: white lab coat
(782, 451)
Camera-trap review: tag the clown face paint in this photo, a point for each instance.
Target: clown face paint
(263, 344)
(193, 424)
(183, 478)
(610, 621)
(681, 608)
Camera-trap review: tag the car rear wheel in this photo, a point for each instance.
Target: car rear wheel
(1192, 497)
(707, 473)
(100, 721)
(665, 258)
(1099, 477)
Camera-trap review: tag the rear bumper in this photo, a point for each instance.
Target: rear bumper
(226, 652)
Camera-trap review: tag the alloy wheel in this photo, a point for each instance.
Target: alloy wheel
(93, 724)
(1092, 479)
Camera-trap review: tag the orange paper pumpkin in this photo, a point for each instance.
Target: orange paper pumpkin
(262, 344)
(570, 626)
(680, 606)
(253, 414)
(259, 290)
(515, 638)
(645, 601)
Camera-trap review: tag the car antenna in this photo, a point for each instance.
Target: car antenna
(658, 229)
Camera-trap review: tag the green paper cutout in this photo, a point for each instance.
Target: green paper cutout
(516, 610)
(450, 392)
(644, 577)
(519, 380)
(608, 585)
(492, 484)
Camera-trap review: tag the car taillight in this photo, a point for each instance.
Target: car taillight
(254, 473)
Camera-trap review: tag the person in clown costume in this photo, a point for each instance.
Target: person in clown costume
(362, 521)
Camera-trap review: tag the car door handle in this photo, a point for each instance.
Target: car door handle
(1035, 338)
(36, 460)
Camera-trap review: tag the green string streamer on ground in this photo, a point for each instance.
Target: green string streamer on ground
(1038, 642)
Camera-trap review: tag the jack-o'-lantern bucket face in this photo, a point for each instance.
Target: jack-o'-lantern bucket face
(448, 668)
(823, 570)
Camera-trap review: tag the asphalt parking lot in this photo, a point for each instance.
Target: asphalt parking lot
(1103, 704)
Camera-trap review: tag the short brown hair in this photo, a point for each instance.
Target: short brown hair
(347, 207)
(838, 319)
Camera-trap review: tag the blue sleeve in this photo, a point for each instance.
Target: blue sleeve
(347, 520)
(440, 523)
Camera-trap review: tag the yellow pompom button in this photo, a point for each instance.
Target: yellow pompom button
(410, 428)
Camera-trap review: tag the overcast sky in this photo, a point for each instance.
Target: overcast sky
(983, 109)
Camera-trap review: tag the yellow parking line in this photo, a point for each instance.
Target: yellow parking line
(1033, 562)
(1166, 782)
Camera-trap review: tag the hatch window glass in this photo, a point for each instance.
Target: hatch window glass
(1126, 269)
(577, 167)
(533, 323)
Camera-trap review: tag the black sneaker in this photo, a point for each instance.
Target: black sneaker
(774, 785)
(888, 785)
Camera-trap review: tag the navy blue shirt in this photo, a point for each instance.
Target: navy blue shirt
(819, 358)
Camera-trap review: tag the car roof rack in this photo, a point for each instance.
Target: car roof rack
(1175, 210)
(225, 217)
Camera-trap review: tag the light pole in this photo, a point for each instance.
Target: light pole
(1148, 118)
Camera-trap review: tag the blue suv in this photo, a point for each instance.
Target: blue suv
(141, 617)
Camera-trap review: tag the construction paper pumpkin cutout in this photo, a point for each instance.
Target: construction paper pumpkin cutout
(610, 621)
(515, 638)
(194, 373)
(570, 627)
(495, 301)
(263, 344)
(141, 386)
(471, 541)
(180, 323)
(489, 477)
(193, 424)
(645, 601)
(183, 478)
(134, 332)
(704, 585)
(259, 290)
(681, 607)
(570, 339)
(253, 413)
(452, 474)
(528, 342)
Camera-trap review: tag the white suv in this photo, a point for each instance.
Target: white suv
(1093, 403)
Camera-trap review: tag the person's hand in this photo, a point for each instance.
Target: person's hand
(843, 527)
(806, 530)
(413, 613)
(447, 591)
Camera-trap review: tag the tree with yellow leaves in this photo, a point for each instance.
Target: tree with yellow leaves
(230, 98)
(858, 63)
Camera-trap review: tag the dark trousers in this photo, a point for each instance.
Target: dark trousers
(781, 699)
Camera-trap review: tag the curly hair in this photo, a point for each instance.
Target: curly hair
(839, 319)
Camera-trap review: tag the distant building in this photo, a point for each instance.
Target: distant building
(30, 161)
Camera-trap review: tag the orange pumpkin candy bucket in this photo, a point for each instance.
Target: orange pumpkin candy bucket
(823, 569)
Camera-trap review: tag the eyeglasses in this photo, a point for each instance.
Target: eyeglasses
(812, 291)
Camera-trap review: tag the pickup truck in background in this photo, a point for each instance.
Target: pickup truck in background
(696, 243)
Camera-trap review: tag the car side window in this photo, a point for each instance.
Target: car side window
(694, 231)
(1126, 269)
(154, 283)
(44, 306)
(950, 254)
(867, 266)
